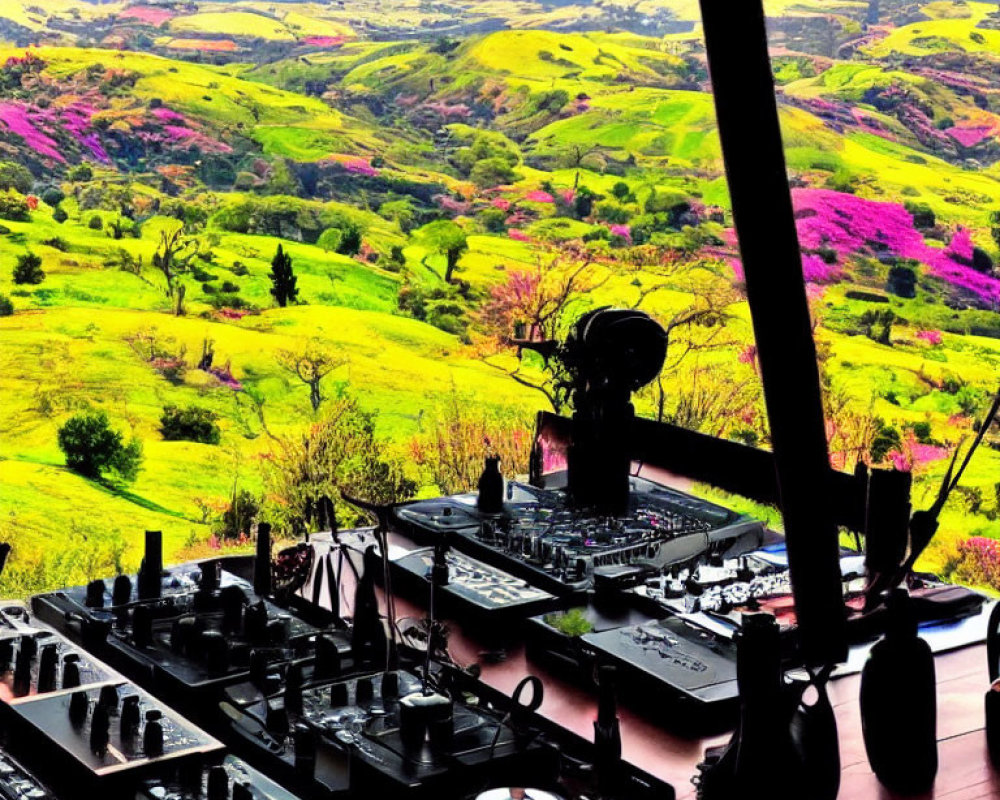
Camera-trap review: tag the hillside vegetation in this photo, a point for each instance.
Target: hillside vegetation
(440, 178)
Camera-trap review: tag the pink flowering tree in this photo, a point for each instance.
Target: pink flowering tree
(533, 305)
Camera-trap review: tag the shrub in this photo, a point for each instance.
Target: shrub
(57, 243)
(28, 269)
(239, 268)
(238, 518)
(15, 176)
(60, 215)
(493, 220)
(228, 287)
(202, 275)
(6, 306)
(53, 196)
(93, 448)
(192, 424)
(330, 239)
(14, 206)
(81, 172)
(886, 440)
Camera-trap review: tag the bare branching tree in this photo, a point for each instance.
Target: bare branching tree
(310, 365)
(172, 258)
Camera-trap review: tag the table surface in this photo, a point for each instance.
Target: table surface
(964, 771)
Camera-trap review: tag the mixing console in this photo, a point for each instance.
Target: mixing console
(207, 627)
(561, 549)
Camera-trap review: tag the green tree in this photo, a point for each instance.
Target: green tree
(28, 269)
(492, 171)
(192, 424)
(283, 279)
(93, 448)
(6, 306)
(447, 239)
(15, 176)
(399, 211)
(330, 240)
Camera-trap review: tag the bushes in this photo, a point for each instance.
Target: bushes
(28, 269)
(191, 424)
(14, 206)
(95, 223)
(60, 215)
(53, 196)
(6, 306)
(94, 449)
(15, 176)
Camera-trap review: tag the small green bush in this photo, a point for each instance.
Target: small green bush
(28, 269)
(6, 306)
(192, 424)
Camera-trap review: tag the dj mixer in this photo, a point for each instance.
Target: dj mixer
(201, 628)
(196, 683)
(541, 538)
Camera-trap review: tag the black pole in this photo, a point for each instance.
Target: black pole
(736, 41)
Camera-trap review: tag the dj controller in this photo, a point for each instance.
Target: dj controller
(542, 539)
(198, 683)
(657, 593)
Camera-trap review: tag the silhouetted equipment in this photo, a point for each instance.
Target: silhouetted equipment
(490, 495)
(262, 562)
(743, 88)
(992, 700)
(899, 704)
(609, 354)
(152, 566)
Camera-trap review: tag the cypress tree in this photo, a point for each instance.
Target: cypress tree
(283, 279)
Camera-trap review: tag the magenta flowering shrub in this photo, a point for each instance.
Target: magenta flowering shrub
(931, 337)
(624, 231)
(17, 120)
(448, 203)
(518, 236)
(359, 166)
(324, 41)
(224, 375)
(969, 136)
(149, 15)
(449, 110)
(499, 202)
(180, 135)
(164, 114)
(978, 561)
(913, 454)
(539, 196)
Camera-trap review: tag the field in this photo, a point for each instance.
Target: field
(538, 142)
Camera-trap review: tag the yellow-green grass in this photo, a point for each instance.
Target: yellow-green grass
(80, 275)
(941, 35)
(26, 12)
(232, 23)
(211, 94)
